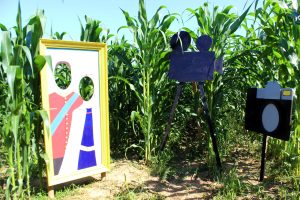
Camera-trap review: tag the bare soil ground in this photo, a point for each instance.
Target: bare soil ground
(133, 180)
(130, 179)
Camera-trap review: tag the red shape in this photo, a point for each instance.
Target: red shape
(61, 135)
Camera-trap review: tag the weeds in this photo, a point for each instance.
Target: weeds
(20, 132)
(137, 192)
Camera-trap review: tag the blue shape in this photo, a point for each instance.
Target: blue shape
(203, 43)
(62, 113)
(87, 136)
(86, 159)
(191, 66)
(180, 41)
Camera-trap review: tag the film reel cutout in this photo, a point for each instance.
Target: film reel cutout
(180, 41)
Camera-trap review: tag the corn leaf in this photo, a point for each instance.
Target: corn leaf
(11, 76)
(28, 56)
(6, 50)
(236, 24)
(39, 62)
(45, 118)
(2, 27)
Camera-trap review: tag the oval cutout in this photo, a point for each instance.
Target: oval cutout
(62, 75)
(86, 88)
(270, 118)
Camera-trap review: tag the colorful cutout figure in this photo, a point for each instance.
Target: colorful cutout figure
(78, 143)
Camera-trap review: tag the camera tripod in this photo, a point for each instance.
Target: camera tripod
(206, 113)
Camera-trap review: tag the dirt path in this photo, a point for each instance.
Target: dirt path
(126, 176)
(129, 179)
(123, 174)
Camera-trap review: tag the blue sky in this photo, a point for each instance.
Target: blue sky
(63, 15)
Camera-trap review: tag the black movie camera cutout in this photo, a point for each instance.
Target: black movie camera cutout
(269, 111)
(192, 67)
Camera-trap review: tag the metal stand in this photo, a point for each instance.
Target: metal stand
(263, 158)
(207, 115)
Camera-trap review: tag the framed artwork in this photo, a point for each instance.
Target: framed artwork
(75, 96)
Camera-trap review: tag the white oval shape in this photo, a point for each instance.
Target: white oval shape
(270, 117)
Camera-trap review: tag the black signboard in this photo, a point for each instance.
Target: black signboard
(268, 110)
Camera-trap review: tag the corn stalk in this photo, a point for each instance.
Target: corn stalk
(149, 78)
(271, 51)
(221, 26)
(21, 132)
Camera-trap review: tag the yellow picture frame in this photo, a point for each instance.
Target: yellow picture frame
(85, 58)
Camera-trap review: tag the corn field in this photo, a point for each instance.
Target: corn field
(260, 45)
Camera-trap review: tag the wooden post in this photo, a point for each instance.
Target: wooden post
(263, 158)
(171, 116)
(210, 125)
(51, 192)
(103, 175)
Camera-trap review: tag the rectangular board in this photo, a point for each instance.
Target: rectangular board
(77, 138)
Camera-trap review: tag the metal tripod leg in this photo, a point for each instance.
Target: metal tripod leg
(171, 116)
(210, 125)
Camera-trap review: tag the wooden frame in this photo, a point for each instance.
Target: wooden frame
(83, 126)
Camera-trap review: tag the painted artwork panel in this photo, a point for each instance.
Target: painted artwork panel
(75, 124)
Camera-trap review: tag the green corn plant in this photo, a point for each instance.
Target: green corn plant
(58, 36)
(270, 51)
(221, 25)
(149, 81)
(281, 37)
(122, 97)
(20, 65)
(93, 31)
(86, 88)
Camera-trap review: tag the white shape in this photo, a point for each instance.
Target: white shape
(270, 118)
(87, 149)
(295, 4)
(283, 5)
(70, 161)
(294, 59)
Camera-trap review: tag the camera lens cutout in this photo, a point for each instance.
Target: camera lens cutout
(270, 118)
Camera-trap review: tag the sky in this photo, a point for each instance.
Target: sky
(62, 15)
